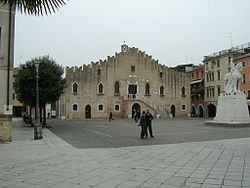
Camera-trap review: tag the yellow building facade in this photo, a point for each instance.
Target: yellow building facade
(128, 82)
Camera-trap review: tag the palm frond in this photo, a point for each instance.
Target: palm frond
(36, 7)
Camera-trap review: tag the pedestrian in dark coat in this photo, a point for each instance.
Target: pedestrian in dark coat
(149, 118)
(110, 116)
(143, 124)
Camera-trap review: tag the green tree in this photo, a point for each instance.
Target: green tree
(36, 7)
(51, 83)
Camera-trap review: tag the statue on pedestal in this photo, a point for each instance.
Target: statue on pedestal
(232, 78)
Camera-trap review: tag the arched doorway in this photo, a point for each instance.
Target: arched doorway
(200, 111)
(193, 112)
(88, 112)
(211, 110)
(136, 108)
(173, 110)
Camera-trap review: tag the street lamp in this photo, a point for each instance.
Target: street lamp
(38, 127)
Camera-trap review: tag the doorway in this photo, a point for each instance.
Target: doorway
(88, 112)
(193, 112)
(132, 89)
(200, 111)
(136, 108)
(173, 110)
(211, 110)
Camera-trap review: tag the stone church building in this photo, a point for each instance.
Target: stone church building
(127, 82)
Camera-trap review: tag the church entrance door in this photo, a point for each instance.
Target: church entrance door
(88, 112)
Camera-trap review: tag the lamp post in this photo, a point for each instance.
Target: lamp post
(38, 127)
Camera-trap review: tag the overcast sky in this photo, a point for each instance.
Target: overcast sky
(172, 31)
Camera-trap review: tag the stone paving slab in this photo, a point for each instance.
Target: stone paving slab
(51, 162)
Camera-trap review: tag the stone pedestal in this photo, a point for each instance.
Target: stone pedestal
(232, 110)
(5, 128)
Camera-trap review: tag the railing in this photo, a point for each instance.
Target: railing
(138, 97)
(131, 97)
(233, 49)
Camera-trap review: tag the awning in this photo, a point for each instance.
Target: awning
(196, 81)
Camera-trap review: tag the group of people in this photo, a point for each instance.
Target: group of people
(146, 124)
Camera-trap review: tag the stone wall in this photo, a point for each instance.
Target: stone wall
(5, 128)
(118, 68)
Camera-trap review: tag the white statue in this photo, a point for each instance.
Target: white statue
(232, 78)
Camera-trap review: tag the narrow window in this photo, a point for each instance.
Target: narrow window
(183, 91)
(99, 72)
(161, 74)
(161, 90)
(197, 74)
(243, 78)
(218, 90)
(147, 89)
(74, 89)
(13, 96)
(218, 63)
(218, 75)
(117, 88)
(132, 68)
(74, 107)
(100, 88)
(229, 60)
(192, 74)
(243, 64)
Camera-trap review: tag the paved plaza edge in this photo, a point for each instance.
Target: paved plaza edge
(52, 162)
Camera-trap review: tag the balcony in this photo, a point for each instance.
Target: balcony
(131, 97)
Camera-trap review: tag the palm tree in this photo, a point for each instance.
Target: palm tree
(36, 7)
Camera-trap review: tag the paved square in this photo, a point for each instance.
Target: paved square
(52, 162)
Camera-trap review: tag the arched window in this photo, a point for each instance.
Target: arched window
(99, 72)
(117, 88)
(75, 107)
(74, 88)
(161, 90)
(100, 88)
(183, 91)
(147, 89)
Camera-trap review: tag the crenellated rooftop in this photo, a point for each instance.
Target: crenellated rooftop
(125, 51)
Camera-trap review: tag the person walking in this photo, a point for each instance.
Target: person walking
(149, 118)
(111, 116)
(143, 124)
(135, 116)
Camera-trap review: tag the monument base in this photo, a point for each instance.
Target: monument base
(232, 111)
(227, 124)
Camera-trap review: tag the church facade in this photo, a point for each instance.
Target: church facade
(128, 82)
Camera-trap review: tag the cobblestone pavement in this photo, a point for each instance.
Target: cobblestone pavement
(51, 162)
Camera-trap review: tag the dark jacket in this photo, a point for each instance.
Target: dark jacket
(143, 121)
